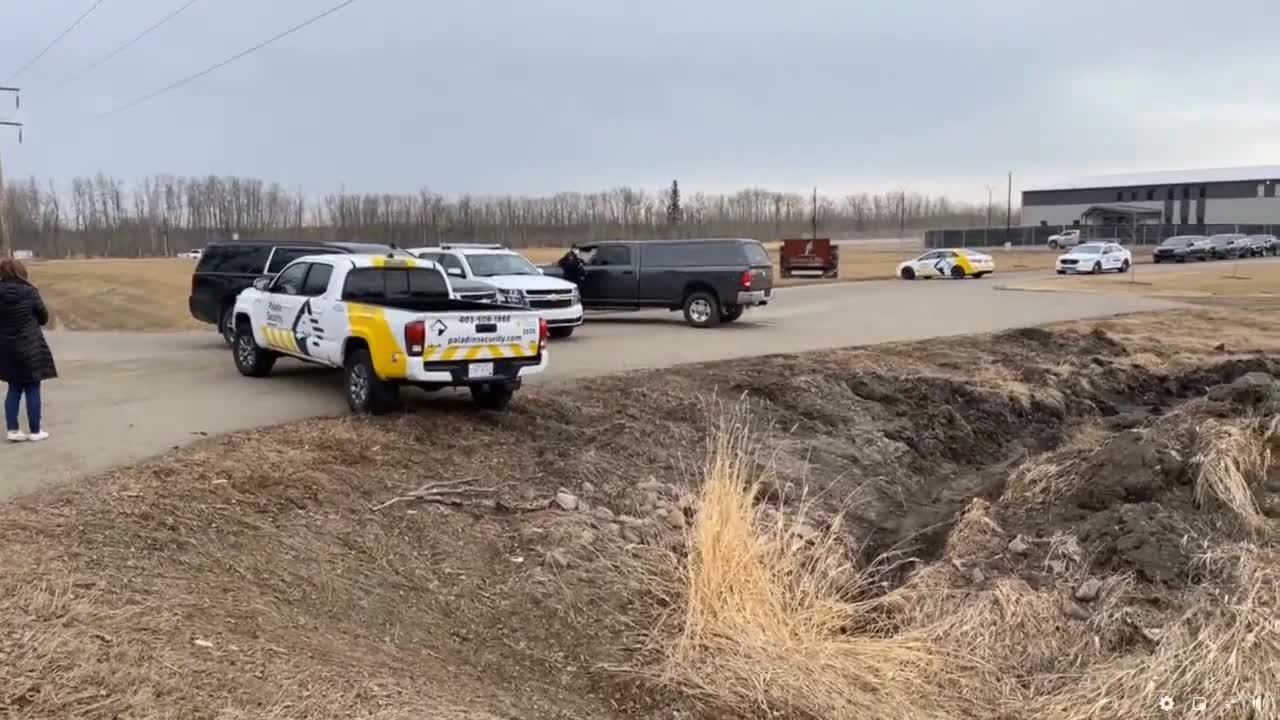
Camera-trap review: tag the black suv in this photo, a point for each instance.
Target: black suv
(226, 268)
(712, 281)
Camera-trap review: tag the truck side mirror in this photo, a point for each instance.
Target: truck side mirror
(262, 283)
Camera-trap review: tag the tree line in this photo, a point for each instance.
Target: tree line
(102, 216)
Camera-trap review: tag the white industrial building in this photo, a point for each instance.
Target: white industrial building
(1221, 196)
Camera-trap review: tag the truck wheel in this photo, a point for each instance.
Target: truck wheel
(492, 396)
(227, 325)
(251, 360)
(561, 332)
(366, 392)
(702, 309)
(908, 274)
(731, 313)
(1124, 266)
(1053, 244)
(957, 272)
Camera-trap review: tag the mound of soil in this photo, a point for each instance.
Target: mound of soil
(252, 573)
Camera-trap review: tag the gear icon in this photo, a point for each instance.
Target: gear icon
(1166, 704)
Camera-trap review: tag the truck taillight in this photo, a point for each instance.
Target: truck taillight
(745, 280)
(415, 337)
(543, 331)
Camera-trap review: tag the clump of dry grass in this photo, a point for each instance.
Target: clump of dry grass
(1224, 649)
(1047, 478)
(770, 622)
(1230, 458)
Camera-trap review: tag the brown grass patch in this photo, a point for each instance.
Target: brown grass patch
(1259, 280)
(766, 619)
(1230, 460)
(117, 294)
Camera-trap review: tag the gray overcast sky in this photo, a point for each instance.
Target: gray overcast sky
(536, 96)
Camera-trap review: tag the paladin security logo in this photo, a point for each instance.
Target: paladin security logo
(439, 327)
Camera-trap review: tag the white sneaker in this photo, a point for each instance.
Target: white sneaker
(17, 436)
(37, 437)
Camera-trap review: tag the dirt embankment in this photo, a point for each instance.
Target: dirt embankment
(1067, 495)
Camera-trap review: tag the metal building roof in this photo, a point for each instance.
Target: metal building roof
(1165, 177)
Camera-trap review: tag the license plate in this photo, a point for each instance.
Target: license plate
(480, 370)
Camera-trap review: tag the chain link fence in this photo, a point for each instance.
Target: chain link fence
(1038, 236)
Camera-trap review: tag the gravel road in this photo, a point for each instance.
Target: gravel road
(127, 396)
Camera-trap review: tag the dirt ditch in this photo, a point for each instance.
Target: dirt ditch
(274, 574)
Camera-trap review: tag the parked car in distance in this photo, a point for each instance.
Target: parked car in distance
(555, 299)
(1181, 248)
(712, 281)
(226, 268)
(1064, 239)
(955, 263)
(1260, 245)
(1095, 257)
(192, 254)
(818, 255)
(1227, 245)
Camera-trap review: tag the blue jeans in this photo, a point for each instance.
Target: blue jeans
(14, 397)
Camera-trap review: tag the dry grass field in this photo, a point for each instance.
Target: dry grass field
(116, 294)
(1245, 280)
(151, 294)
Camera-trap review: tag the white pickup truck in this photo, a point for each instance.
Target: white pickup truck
(1065, 239)
(388, 321)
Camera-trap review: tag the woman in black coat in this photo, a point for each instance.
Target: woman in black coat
(25, 358)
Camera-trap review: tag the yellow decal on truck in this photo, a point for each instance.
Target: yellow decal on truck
(395, 261)
(281, 339)
(449, 353)
(369, 322)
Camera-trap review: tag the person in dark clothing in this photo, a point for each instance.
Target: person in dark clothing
(572, 266)
(25, 358)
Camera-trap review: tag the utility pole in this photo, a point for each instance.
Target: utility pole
(902, 214)
(814, 218)
(1008, 211)
(6, 242)
(987, 230)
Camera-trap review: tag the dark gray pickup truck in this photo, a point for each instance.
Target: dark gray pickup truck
(712, 281)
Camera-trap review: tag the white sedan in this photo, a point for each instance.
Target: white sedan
(952, 263)
(1095, 257)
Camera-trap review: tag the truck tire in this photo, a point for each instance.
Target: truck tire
(227, 325)
(492, 396)
(1053, 244)
(251, 360)
(367, 394)
(561, 332)
(731, 313)
(702, 309)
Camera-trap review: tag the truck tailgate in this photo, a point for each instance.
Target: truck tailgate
(454, 337)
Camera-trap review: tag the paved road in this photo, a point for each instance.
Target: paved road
(124, 396)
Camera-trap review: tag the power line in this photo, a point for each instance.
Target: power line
(196, 76)
(56, 40)
(154, 26)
